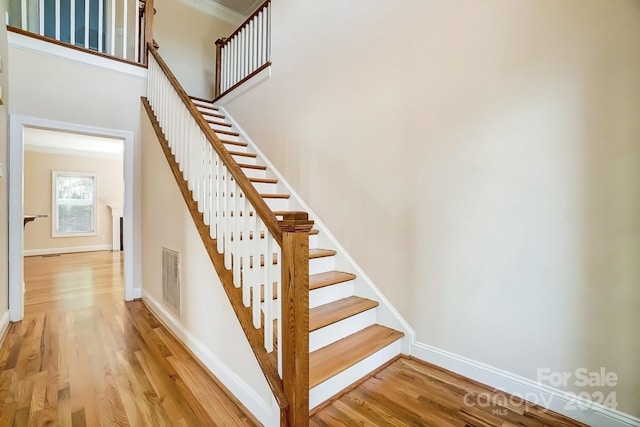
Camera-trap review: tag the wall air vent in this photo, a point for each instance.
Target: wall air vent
(171, 279)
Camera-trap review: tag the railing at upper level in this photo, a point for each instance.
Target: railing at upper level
(116, 28)
(245, 52)
(265, 262)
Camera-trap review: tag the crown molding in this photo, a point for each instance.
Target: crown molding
(212, 8)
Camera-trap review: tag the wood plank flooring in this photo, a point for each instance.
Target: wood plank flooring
(84, 357)
(408, 392)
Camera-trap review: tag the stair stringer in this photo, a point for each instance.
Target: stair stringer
(386, 313)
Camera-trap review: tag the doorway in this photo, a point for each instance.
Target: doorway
(21, 126)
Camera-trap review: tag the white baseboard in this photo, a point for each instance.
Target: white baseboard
(260, 409)
(4, 325)
(554, 399)
(69, 250)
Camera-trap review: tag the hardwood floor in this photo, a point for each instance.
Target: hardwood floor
(408, 392)
(82, 356)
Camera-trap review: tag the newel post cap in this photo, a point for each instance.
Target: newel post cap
(295, 222)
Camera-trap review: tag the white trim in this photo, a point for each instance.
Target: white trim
(214, 9)
(41, 47)
(245, 87)
(241, 390)
(387, 315)
(549, 397)
(4, 326)
(15, 182)
(67, 250)
(72, 152)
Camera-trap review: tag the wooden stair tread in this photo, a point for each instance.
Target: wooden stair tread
(243, 154)
(264, 180)
(329, 361)
(201, 107)
(215, 115)
(246, 166)
(275, 196)
(217, 122)
(320, 253)
(197, 98)
(226, 132)
(238, 143)
(314, 231)
(328, 314)
(329, 278)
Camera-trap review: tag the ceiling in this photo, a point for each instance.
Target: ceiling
(243, 7)
(51, 141)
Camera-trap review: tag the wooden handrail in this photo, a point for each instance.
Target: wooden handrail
(252, 195)
(244, 24)
(71, 46)
(149, 11)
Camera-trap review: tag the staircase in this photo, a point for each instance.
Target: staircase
(346, 342)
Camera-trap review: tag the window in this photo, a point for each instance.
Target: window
(74, 204)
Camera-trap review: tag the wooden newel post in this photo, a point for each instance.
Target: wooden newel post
(149, 11)
(219, 44)
(295, 228)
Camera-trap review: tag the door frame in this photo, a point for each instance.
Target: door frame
(17, 123)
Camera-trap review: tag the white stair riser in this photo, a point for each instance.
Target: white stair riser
(337, 383)
(232, 147)
(262, 187)
(210, 115)
(254, 173)
(277, 204)
(217, 127)
(207, 112)
(321, 265)
(342, 329)
(331, 293)
(244, 159)
(228, 137)
(313, 241)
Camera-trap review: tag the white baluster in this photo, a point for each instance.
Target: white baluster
(136, 33)
(41, 16)
(57, 23)
(228, 218)
(86, 24)
(113, 28)
(100, 24)
(238, 235)
(216, 233)
(125, 25)
(24, 21)
(268, 300)
(72, 22)
(208, 183)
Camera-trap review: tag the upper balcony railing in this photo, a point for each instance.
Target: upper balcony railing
(116, 28)
(245, 52)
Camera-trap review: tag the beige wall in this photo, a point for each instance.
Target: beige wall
(4, 218)
(48, 87)
(206, 311)
(480, 161)
(38, 169)
(187, 43)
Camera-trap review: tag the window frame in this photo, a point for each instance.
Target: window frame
(54, 202)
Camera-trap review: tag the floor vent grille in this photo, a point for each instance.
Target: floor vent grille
(171, 279)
